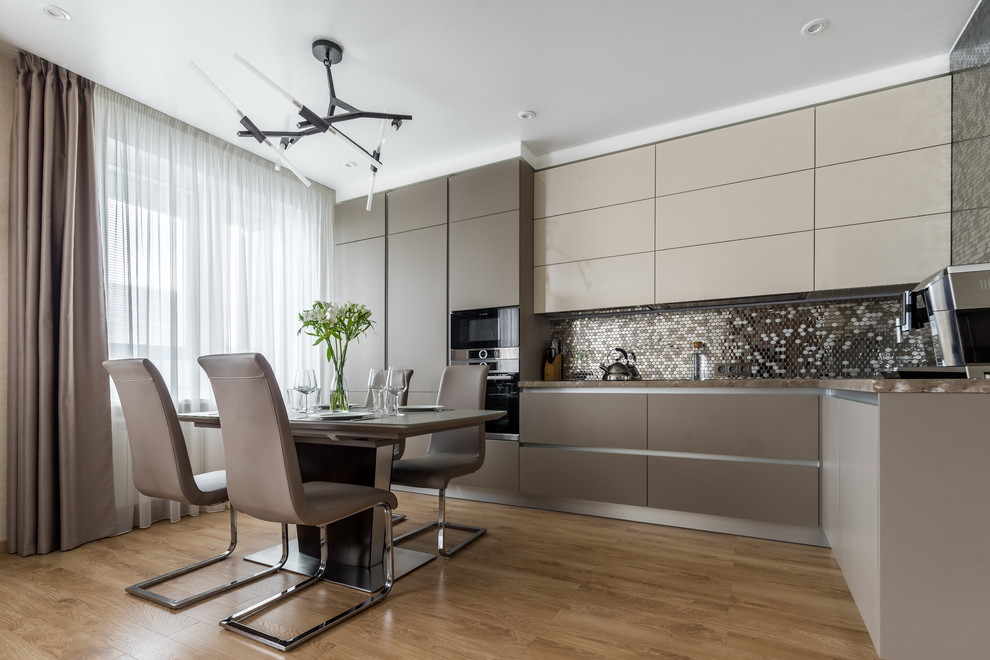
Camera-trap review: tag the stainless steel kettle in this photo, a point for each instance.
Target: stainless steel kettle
(619, 368)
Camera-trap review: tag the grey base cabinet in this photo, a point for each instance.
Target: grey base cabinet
(500, 471)
(583, 475)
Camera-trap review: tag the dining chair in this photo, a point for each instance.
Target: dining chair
(450, 454)
(161, 468)
(264, 481)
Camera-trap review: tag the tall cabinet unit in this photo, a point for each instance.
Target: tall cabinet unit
(416, 336)
(359, 276)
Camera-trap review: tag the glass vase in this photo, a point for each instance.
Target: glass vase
(338, 391)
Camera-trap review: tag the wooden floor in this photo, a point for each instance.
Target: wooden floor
(539, 585)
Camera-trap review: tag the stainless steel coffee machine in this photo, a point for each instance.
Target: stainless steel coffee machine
(955, 302)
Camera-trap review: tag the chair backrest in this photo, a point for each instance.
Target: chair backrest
(462, 386)
(159, 459)
(263, 478)
(403, 397)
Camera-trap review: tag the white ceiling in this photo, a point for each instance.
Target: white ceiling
(602, 75)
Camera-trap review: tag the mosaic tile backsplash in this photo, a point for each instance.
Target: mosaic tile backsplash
(847, 339)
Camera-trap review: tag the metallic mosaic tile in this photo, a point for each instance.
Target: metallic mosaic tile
(971, 237)
(973, 47)
(971, 104)
(847, 339)
(971, 174)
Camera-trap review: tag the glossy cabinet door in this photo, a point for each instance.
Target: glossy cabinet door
(627, 176)
(351, 222)
(600, 420)
(764, 147)
(359, 276)
(902, 251)
(751, 267)
(484, 262)
(894, 120)
(604, 232)
(485, 191)
(900, 185)
(762, 207)
(594, 283)
(417, 305)
(417, 206)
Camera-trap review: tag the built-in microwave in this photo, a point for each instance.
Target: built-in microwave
(490, 328)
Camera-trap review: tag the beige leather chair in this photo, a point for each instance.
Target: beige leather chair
(263, 480)
(451, 453)
(160, 464)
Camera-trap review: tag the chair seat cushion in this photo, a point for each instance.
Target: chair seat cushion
(212, 488)
(329, 501)
(433, 470)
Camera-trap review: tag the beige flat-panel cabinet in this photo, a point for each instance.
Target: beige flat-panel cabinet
(500, 471)
(351, 222)
(751, 267)
(594, 283)
(763, 207)
(900, 119)
(891, 252)
(485, 191)
(612, 478)
(775, 145)
(484, 261)
(417, 305)
(359, 276)
(605, 232)
(417, 206)
(627, 176)
(616, 421)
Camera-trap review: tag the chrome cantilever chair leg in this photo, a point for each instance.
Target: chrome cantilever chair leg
(235, 622)
(141, 589)
(441, 524)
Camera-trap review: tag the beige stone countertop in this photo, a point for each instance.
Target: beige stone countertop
(881, 385)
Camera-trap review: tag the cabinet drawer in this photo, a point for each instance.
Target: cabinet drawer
(751, 267)
(896, 186)
(485, 191)
(605, 232)
(899, 119)
(614, 179)
(891, 252)
(417, 206)
(484, 262)
(583, 475)
(583, 420)
(352, 223)
(775, 145)
(762, 207)
(757, 425)
(593, 284)
(500, 470)
(777, 493)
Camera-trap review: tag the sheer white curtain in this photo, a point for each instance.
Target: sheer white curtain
(207, 249)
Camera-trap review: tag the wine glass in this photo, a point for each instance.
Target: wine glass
(377, 379)
(305, 383)
(395, 383)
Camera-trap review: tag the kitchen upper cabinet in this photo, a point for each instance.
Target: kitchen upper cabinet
(359, 276)
(604, 232)
(595, 283)
(484, 262)
(485, 191)
(417, 305)
(750, 267)
(614, 179)
(417, 206)
(899, 119)
(900, 251)
(762, 207)
(900, 185)
(351, 222)
(775, 145)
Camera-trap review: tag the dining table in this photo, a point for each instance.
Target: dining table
(354, 447)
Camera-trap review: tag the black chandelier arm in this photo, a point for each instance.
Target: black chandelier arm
(357, 146)
(295, 135)
(359, 114)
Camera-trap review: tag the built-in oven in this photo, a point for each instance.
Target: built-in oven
(491, 336)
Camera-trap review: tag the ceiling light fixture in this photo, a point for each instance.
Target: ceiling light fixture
(329, 53)
(527, 114)
(57, 13)
(350, 163)
(817, 26)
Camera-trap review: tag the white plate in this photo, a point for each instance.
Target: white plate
(340, 416)
(433, 408)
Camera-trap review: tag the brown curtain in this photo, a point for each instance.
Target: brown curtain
(60, 465)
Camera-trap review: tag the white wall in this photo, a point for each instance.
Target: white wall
(6, 120)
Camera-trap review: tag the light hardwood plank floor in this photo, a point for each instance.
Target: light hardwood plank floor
(540, 584)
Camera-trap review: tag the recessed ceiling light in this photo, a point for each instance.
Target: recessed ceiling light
(57, 13)
(527, 114)
(814, 27)
(350, 163)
